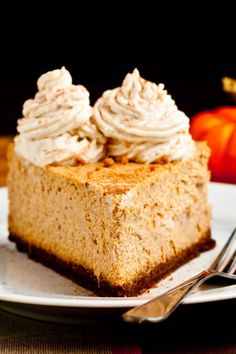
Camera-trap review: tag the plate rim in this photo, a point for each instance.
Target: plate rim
(107, 302)
(6, 294)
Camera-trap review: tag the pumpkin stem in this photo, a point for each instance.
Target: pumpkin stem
(229, 86)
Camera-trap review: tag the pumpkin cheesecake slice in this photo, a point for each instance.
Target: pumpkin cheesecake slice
(115, 225)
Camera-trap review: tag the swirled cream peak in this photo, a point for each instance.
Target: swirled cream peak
(143, 122)
(56, 124)
(56, 79)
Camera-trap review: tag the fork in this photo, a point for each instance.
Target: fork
(163, 305)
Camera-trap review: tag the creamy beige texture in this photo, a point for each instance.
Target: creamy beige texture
(118, 222)
(56, 124)
(143, 122)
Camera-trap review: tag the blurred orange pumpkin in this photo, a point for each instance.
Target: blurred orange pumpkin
(218, 128)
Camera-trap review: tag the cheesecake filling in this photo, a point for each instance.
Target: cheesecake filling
(143, 122)
(56, 124)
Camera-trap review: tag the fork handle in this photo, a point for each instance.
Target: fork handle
(162, 306)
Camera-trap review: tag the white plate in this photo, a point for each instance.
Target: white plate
(25, 283)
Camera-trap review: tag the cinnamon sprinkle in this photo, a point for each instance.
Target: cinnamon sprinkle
(107, 162)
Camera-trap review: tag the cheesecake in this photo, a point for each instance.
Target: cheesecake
(122, 201)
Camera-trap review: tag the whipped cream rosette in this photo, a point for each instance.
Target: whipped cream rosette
(143, 122)
(56, 124)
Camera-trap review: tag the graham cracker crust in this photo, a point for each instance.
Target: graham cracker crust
(102, 287)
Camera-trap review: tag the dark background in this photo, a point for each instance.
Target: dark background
(188, 48)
